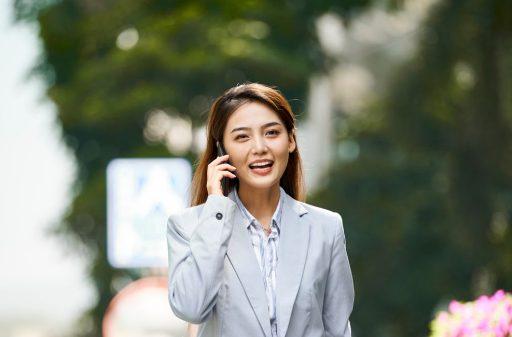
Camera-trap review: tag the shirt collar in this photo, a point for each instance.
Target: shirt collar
(276, 217)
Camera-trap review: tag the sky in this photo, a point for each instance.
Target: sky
(38, 270)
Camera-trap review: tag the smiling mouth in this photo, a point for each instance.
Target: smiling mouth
(261, 169)
(261, 166)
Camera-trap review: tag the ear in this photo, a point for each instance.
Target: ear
(292, 145)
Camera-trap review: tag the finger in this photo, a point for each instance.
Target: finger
(226, 166)
(230, 175)
(225, 174)
(219, 160)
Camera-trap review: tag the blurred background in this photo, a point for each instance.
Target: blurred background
(405, 126)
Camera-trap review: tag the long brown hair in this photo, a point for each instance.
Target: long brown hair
(222, 108)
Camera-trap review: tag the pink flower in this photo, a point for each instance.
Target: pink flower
(488, 316)
(455, 306)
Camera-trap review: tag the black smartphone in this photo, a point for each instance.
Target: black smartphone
(224, 181)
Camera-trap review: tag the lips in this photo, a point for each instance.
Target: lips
(261, 164)
(262, 170)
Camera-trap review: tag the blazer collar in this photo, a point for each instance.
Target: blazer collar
(292, 253)
(276, 217)
(287, 199)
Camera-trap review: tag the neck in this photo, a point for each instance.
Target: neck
(260, 203)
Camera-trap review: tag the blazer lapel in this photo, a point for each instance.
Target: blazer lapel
(292, 253)
(241, 255)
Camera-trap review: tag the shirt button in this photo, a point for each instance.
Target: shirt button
(218, 216)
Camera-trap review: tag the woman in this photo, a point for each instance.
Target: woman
(259, 261)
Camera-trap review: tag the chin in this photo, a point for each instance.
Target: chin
(261, 182)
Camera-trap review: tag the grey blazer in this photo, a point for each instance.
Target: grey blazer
(215, 279)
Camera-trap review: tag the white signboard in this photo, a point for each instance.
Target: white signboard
(141, 194)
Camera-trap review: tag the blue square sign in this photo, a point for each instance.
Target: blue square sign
(141, 194)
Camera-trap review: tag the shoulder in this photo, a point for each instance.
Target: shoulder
(186, 212)
(329, 221)
(186, 220)
(183, 220)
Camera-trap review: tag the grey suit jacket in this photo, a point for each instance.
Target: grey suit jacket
(215, 279)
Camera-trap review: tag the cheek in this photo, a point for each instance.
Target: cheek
(284, 161)
(236, 156)
(283, 156)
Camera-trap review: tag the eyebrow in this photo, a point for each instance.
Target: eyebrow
(263, 126)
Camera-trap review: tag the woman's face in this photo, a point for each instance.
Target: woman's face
(254, 132)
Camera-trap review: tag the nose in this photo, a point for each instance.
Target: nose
(259, 145)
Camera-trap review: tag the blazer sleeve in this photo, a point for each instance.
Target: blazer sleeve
(339, 293)
(196, 261)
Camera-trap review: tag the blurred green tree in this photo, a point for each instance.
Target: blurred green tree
(109, 63)
(427, 201)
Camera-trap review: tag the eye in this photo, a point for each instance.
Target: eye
(238, 137)
(275, 132)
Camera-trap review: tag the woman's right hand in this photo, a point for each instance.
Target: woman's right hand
(217, 171)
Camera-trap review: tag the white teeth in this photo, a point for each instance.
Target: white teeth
(260, 164)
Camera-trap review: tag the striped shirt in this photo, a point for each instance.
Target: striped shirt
(265, 248)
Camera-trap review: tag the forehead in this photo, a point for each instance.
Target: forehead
(252, 114)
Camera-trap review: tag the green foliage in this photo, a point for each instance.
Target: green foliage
(186, 53)
(423, 203)
(427, 202)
